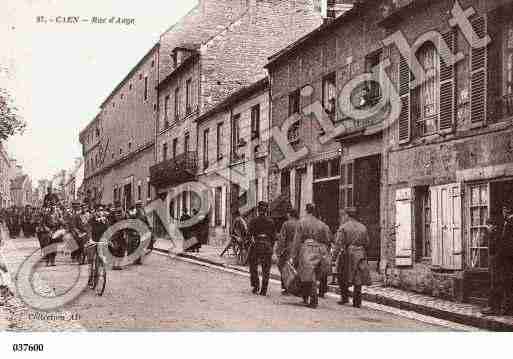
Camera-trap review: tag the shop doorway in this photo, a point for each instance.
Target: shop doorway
(127, 196)
(325, 196)
(367, 201)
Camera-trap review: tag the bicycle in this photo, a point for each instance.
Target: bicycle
(97, 269)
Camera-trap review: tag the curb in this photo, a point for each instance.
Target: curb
(478, 322)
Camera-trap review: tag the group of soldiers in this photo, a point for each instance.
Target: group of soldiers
(55, 223)
(308, 246)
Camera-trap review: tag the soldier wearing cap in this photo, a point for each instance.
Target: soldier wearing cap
(351, 242)
(262, 233)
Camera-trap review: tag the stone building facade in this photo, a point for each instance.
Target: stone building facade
(429, 168)
(5, 178)
(220, 47)
(233, 155)
(118, 145)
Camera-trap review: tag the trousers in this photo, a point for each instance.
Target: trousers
(260, 254)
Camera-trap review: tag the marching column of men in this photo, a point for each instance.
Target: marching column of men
(54, 223)
(307, 245)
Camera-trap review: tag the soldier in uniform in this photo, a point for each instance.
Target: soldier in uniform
(285, 241)
(50, 199)
(262, 233)
(351, 244)
(310, 253)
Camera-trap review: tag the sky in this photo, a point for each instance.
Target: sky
(59, 74)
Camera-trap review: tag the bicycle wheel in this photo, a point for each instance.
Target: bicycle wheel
(92, 274)
(101, 277)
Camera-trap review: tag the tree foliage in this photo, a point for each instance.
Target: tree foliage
(10, 121)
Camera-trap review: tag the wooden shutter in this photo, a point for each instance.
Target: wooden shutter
(447, 85)
(213, 207)
(446, 234)
(403, 215)
(223, 206)
(436, 238)
(478, 77)
(404, 93)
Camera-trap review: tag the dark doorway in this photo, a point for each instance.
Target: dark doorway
(367, 190)
(325, 195)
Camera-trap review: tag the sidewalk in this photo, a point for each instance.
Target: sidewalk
(463, 313)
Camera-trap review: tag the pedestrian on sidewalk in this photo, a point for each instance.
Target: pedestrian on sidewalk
(351, 242)
(263, 236)
(310, 254)
(285, 241)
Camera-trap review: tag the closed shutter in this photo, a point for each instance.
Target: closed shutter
(404, 93)
(453, 229)
(212, 208)
(403, 215)
(223, 206)
(447, 84)
(436, 237)
(446, 238)
(478, 77)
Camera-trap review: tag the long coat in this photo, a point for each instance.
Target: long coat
(351, 242)
(309, 249)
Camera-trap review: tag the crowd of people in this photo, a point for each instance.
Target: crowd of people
(75, 224)
(307, 246)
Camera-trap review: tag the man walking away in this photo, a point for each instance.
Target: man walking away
(262, 232)
(351, 242)
(310, 253)
(285, 241)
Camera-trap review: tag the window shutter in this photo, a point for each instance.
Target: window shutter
(404, 93)
(213, 208)
(478, 77)
(447, 85)
(436, 243)
(403, 215)
(453, 228)
(446, 238)
(223, 206)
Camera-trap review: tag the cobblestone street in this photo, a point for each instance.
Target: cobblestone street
(170, 294)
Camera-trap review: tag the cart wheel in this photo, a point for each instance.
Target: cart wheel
(101, 277)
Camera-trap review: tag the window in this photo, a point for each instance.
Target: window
(175, 147)
(153, 63)
(139, 192)
(423, 222)
(177, 103)
(236, 131)
(186, 143)
(205, 148)
(329, 89)
(255, 122)
(217, 209)
(372, 88)
(164, 151)
(174, 58)
(346, 185)
(479, 214)
(120, 151)
(148, 189)
(426, 96)
(122, 96)
(188, 96)
(130, 87)
(129, 146)
(294, 102)
(508, 68)
(145, 88)
(285, 182)
(219, 141)
(166, 110)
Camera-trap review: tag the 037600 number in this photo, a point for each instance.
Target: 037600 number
(27, 347)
